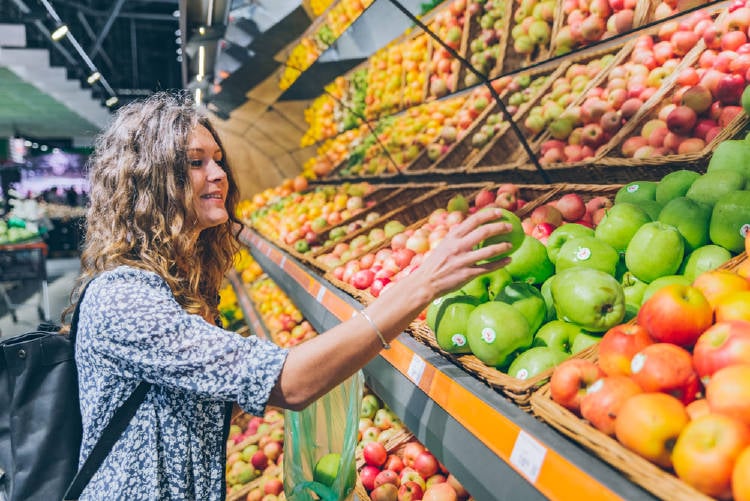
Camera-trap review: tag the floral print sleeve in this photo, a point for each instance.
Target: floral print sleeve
(145, 334)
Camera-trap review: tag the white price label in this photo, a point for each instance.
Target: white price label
(282, 262)
(268, 250)
(321, 293)
(528, 455)
(416, 369)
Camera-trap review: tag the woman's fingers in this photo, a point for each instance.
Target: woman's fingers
(476, 220)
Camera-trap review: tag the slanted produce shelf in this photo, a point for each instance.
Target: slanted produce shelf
(252, 317)
(494, 448)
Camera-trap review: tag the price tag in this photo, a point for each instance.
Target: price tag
(528, 455)
(321, 293)
(282, 262)
(416, 369)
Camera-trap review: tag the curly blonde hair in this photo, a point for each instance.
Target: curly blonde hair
(140, 211)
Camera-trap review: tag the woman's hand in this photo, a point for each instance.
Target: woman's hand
(454, 261)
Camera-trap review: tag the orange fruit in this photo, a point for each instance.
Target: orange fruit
(716, 283)
(733, 306)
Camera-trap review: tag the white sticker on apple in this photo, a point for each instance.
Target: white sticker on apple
(639, 360)
(522, 374)
(583, 253)
(744, 229)
(596, 386)
(632, 188)
(438, 301)
(458, 340)
(488, 335)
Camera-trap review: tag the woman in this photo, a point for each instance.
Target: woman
(158, 242)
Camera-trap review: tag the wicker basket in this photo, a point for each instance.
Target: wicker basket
(378, 195)
(514, 60)
(639, 470)
(586, 191)
(600, 81)
(241, 494)
(409, 194)
(475, 31)
(518, 390)
(452, 84)
(413, 216)
(505, 150)
(394, 445)
(463, 154)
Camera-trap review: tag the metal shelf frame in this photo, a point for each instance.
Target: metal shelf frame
(497, 450)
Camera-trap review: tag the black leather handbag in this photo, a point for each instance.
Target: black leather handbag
(40, 417)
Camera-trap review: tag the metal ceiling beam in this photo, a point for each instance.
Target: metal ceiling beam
(42, 28)
(114, 11)
(92, 36)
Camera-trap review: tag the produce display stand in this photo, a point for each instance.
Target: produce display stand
(252, 317)
(494, 448)
(21, 262)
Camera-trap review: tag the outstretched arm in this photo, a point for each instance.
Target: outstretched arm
(318, 365)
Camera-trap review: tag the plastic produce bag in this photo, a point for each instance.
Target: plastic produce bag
(319, 445)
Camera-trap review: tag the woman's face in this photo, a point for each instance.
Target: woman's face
(207, 179)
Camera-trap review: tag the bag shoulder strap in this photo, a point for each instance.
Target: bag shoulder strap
(112, 432)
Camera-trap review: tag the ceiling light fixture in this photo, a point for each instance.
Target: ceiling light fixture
(201, 60)
(198, 96)
(59, 32)
(94, 77)
(111, 101)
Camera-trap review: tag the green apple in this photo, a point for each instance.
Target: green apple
(448, 321)
(535, 361)
(529, 263)
(731, 155)
(583, 341)
(633, 289)
(636, 192)
(546, 291)
(528, 300)
(662, 282)
(706, 258)
(588, 297)
(327, 469)
(562, 234)
(393, 227)
(675, 184)
(496, 331)
(691, 219)
(713, 186)
(458, 203)
(730, 221)
(369, 406)
(620, 223)
(516, 236)
(485, 287)
(557, 334)
(651, 207)
(656, 250)
(588, 252)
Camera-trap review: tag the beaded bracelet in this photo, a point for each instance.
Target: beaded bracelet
(385, 343)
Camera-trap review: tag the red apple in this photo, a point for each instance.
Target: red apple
(619, 345)
(546, 214)
(667, 368)
(570, 380)
(273, 486)
(705, 453)
(729, 89)
(387, 477)
(676, 314)
(259, 460)
(410, 491)
(483, 198)
(728, 392)
(603, 399)
(374, 453)
(440, 492)
(410, 453)
(722, 345)
(425, 464)
(367, 475)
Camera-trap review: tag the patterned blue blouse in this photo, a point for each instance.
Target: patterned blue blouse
(131, 328)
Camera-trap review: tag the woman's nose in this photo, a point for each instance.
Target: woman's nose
(216, 171)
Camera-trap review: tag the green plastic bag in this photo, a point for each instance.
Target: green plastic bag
(319, 445)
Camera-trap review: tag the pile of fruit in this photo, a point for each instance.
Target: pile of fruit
(448, 24)
(587, 22)
(255, 452)
(485, 50)
(409, 471)
(532, 26)
(14, 231)
(309, 48)
(230, 312)
(281, 317)
(246, 208)
(415, 61)
(384, 82)
(323, 115)
(332, 152)
(297, 220)
(247, 267)
(579, 132)
(673, 387)
(583, 267)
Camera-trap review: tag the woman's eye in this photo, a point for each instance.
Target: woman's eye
(196, 163)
